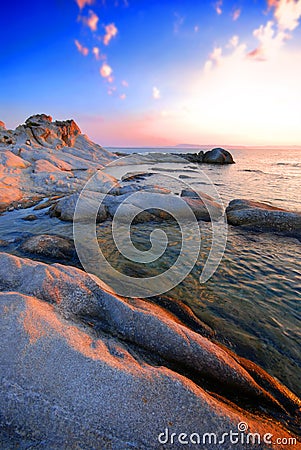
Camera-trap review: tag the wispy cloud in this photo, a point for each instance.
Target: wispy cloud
(96, 52)
(156, 93)
(83, 50)
(218, 7)
(179, 20)
(106, 71)
(125, 83)
(91, 21)
(82, 3)
(111, 32)
(236, 14)
(122, 97)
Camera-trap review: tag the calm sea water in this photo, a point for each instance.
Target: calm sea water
(253, 299)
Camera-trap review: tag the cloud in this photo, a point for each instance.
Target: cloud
(122, 97)
(236, 14)
(156, 93)
(218, 7)
(98, 56)
(106, 71)
(111, 31)
(287, 13)
(82, 3)
(270, 41)
(83, 50)
(179, 20)
(125, 83)
(91, 21)
(196, 29)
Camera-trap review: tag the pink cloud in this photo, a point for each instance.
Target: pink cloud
(236, 14)
(82, 3)
(286, 12)
(106, 71)
(125, 83)
(97, 54)
(83, 50)
(122, 97)
(111, 32)
(218, 7)
(91, 21)
(270, 41)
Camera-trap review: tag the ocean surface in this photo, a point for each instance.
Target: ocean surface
(253, 299)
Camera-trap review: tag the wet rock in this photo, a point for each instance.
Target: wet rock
(196, 158)
(49, 246)
(2, 125)
(64, 209)
(30, 217)
(218, 156)
(260, 216)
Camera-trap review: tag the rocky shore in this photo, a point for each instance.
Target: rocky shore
(82, 367)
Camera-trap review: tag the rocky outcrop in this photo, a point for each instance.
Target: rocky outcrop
(263, 217)
(218, 156)
(45, 157)
(2, 125)
(62, 328)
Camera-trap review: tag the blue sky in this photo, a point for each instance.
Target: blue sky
(138, 72)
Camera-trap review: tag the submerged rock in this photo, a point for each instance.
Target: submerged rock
(30, 217)
(218, 156)
(69, 348)
(260, 216)
(50, 246)
(64, 209)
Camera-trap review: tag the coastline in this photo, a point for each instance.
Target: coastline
(158, 348)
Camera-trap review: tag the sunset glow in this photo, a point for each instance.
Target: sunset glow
(141, 74)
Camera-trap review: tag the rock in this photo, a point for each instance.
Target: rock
(4, 243)
(192, 157)
(49, 246)
(64, 209)
(46, 158)
(30, 217)
(2, 125)
(69, 348)
(260, 216)
(154, 206)
(218, 156)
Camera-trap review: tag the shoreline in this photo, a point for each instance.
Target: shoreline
(117, 339)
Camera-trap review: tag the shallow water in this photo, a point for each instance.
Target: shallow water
(253, 299)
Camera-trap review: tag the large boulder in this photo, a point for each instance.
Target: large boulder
(260, 216)
(83, 368)
(218, 156)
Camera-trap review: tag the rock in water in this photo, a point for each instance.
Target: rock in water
(49, 246)
(260, 216)
(218, 156)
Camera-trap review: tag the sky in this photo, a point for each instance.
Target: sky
(155, 73)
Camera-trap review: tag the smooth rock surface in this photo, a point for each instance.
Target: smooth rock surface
(218, 156)
(76, 367)
(260, 216)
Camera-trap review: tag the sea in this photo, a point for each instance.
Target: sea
(253, 300)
